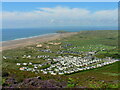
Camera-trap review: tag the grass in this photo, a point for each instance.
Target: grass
(112, 74)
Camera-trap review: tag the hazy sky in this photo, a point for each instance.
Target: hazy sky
(34, 15)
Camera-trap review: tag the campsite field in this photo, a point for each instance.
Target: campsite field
(104, 42)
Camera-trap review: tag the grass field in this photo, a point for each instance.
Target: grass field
(104, 42)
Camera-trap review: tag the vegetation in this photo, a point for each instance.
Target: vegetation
(104, 77)
(61, 31)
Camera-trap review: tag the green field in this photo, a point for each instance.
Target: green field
(104, 42)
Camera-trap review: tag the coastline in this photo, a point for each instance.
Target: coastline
(29, 37)
(32, 40)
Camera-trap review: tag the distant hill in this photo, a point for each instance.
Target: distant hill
(61, 31)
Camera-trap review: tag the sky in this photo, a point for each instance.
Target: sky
(45, 14)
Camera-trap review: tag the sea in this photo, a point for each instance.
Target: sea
(22, 33)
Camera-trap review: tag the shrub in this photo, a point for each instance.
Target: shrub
(5, 74)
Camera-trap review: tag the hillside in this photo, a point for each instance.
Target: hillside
(103, 42)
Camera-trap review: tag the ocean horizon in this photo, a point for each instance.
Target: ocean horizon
(22, 33)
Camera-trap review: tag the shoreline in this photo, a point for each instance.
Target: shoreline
(29, 37)
(11, 44)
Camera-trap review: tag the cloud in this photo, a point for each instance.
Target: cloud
(60, 16)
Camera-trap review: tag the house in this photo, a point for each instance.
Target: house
(44, 72)
(30, 63)
(29, 56)
(29, 69)
(35, 67)
(92, 53)
(21, 68)
(53, 73)
(18, 64)
(4, 57)
(39, 45)
(60, 73)
(24, 63)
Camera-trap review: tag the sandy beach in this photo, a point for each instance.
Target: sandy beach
(29, 41)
